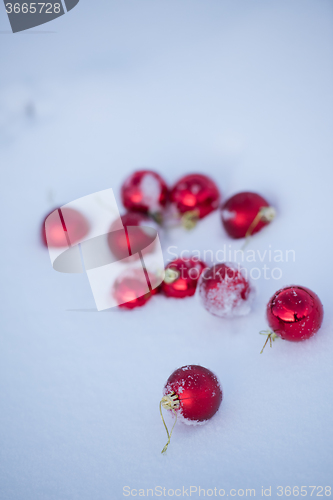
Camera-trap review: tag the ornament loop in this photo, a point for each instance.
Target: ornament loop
(189, 219)
(157, 217)
(265, 214)
(171, 275)
(169, 402)
(271, 336)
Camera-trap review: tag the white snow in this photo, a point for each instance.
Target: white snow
(240, 91)
(151, 191)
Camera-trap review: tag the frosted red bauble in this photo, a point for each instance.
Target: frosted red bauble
(130, 290)
(139, 233)
(295, 313)
(239, 211)
(198, 390)
(188, 271)
(195, 192)
(144, 191)
(225, 291)
(70, 221)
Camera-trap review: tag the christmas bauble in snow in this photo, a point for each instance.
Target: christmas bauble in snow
(245, 214)
(225, 291)
(193, 393)
(65, 226)
(295, 313)
(145, 191)
(198, 392)
(139, 234)
(131, 290)
(181, 277)
(193, 197)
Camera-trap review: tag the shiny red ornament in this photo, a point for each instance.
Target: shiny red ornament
(131, 290)
(195, 195)
(139, 233)
(245, 214)
(197, 391)
(295, 313)
(193, 393)
(145, 191)
(70, 221)
(181, 277)
(225, 291)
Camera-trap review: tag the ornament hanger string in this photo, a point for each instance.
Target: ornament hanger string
(265, 214)
(169, 402)
(186, 221)
(271, 336)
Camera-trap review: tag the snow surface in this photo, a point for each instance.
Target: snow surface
(239, 90)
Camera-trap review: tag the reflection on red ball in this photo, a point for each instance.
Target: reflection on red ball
(295, 313)
(130, 290)
(74, 223)
(125, 243)
(239, 211)
(198, 390)
(195, 192)
(144, 191)
(187, 273)
(225, 291)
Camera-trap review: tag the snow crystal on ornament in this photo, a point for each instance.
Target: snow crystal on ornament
(187, 421)
(151, 191)
(228, 214)
(224, 291)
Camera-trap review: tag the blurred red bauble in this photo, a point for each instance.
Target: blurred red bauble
(196, 391)
(224, 291)
(181, 277)
(245, 214)
(123, 243)
(145, 191)
(70, 221)
(295, 313)
(130, 290)
(195, 196)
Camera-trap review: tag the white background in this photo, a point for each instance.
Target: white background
(240, 90)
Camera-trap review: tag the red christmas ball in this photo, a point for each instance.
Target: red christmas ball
(194, 392)
(139, 233)
(295, 313)
(145, 191)
(245, 214)
(225, 291)
(130, 290)
(181, 277)
(68, 221)
(195, 194)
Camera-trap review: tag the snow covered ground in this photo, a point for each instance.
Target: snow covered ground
(242, 91)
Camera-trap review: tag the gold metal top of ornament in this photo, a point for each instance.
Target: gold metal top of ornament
(170, 401)
(267, 214)
(189, 219)
(171, 275)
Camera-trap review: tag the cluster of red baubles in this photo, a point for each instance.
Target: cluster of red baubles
(193, 197)
(294, 313)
